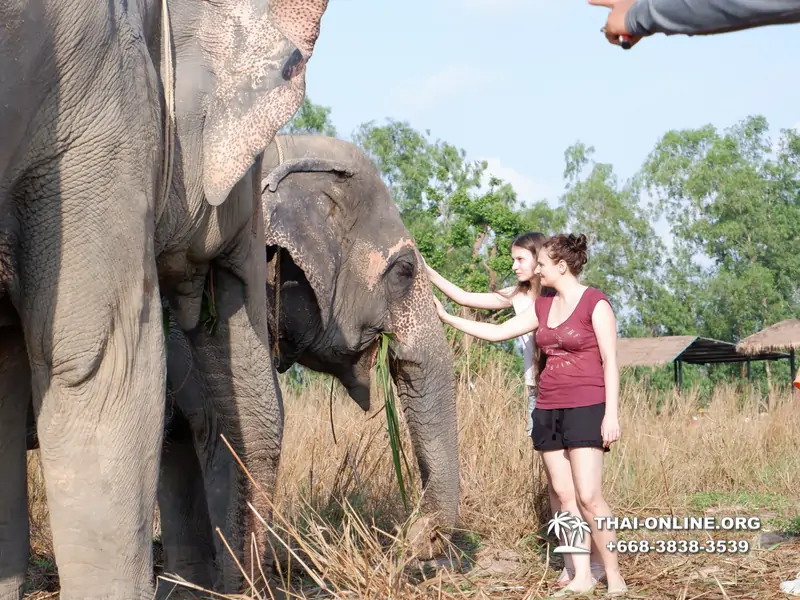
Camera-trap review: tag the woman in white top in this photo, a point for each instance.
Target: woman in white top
(524, 250)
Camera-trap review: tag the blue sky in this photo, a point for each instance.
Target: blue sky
(515, 82)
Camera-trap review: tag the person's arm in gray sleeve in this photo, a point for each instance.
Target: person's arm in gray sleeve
(697, 17)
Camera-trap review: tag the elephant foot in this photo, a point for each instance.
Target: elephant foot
(11, 588)
(426, 539)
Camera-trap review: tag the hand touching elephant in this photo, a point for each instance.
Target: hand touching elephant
(130, 171)
(348, 270)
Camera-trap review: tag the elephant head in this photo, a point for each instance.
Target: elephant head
(239, 77)
(347, 269)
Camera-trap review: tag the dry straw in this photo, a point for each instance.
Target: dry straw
(339, 523)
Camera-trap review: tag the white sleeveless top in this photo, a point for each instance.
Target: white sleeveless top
(520, 302)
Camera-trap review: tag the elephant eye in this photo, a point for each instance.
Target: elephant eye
(399, 276)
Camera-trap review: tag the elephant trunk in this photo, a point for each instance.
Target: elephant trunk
(427, 394)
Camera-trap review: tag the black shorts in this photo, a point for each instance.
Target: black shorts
(560, 428)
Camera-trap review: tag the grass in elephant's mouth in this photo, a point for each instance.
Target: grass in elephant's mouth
(341, 500)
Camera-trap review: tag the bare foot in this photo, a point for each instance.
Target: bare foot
(578, 586)
(616, 584)
(563, 579)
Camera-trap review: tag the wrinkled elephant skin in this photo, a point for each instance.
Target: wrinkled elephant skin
(90, 245)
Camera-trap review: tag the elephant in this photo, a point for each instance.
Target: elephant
(130, 171)
(346, 269)
(342, 268)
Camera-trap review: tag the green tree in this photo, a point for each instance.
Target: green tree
(311, 118)
(729, 198)
(625, 251)
(733, 207)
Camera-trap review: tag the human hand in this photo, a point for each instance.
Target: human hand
(610, 430)
(440, 310)
(615, 30)
(428, 269)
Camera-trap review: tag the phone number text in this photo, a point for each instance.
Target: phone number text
(680, 546)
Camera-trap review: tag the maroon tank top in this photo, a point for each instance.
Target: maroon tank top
(573, 375)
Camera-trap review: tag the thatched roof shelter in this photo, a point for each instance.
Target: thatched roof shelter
(651, 351)
(780, 337)
(679, 349)
(656, 351)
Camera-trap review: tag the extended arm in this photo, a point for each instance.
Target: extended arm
(487, 300)
(523, 323)
(697, 17)
(605, 329)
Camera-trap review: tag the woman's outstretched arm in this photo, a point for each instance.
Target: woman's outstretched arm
(523, 323)
(486, 300)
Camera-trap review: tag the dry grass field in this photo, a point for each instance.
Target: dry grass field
(339, 502)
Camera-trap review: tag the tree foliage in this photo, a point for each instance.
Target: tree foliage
(311, 118)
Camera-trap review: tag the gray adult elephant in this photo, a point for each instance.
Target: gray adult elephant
(349, 269)
(130, 170)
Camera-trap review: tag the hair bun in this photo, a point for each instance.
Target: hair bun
(570, 248)
(578, 243)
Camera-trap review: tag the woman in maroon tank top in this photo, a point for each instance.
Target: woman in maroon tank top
(576, 416)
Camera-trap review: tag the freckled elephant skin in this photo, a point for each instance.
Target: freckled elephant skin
(89, 249)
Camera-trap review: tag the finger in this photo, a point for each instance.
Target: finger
(629, 42)
(612, 38)
(606, 3)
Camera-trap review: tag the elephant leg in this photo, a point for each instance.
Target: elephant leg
(185, 527)
(93, 324)
(14, 394)
(236, 372)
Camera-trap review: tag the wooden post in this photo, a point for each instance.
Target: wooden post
(749, 372)
(792, 369)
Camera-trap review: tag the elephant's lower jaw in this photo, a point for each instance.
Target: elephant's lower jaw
(360, 394)
(356, 378)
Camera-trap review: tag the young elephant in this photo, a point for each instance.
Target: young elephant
(346, 269)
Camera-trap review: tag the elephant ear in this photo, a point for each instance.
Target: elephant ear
(258, 51)
(303, 215)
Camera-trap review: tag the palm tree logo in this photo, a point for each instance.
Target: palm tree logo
(574, 527)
